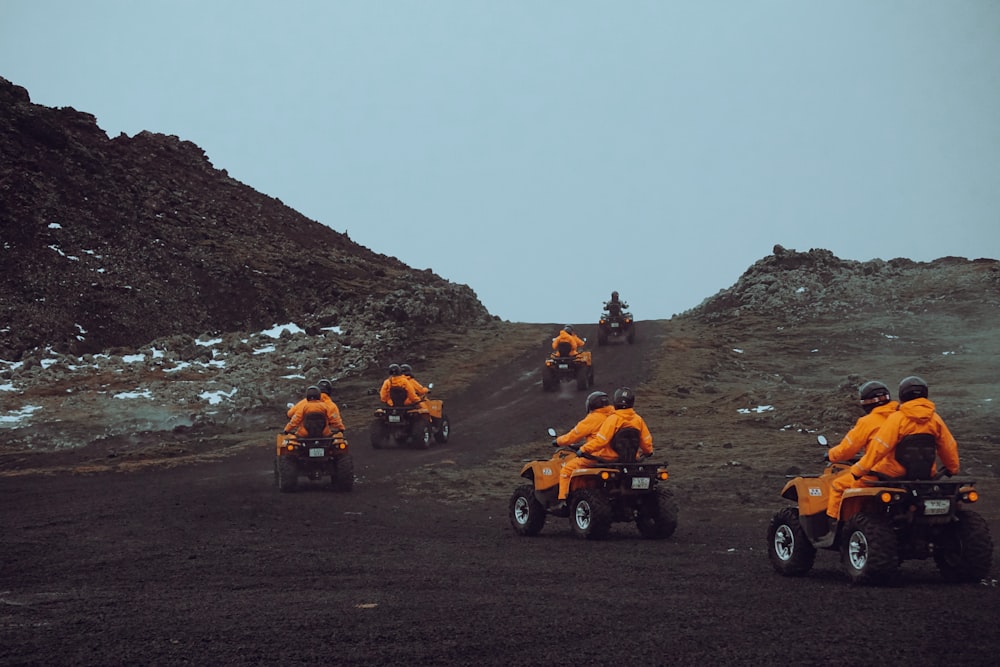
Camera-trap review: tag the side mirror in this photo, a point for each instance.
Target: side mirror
(551, 432)
(430, 386)
(821, 439)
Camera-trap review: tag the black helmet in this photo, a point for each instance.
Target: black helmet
(394, 369)
(326, 387)
(312, 393)
(614, 296)
(873, 393)
(568, 328)
(597, 399)
(624, 398)
(912, 387)
(406, 369)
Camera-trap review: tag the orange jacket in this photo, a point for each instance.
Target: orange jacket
(586, 426)
(864, 429)
(600, 443)
(398, 381)
(914, 416)
(305, 406)
(574, 341)
(417, 387)
(336, 423)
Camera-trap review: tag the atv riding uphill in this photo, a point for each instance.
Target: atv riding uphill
(413, 424)
(561, 365)
(599, 496)
(615, 326)
(885, 522)
(313, 456)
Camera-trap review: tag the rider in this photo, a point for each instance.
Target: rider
(397, 379)
(598, 408)
(313, 403)
(875, 399)
(916, 414)
(566, 334)
(614, 306)
(326, 395)
(417, 387)
(598, 445)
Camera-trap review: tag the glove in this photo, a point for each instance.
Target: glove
(579, 452)
(555, 443)
(285, 433)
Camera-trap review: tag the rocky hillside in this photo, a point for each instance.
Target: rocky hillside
(110, 243)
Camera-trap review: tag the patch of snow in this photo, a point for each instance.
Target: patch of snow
(335, 330)
(55, 225)
(208, 343)
(275, 331)
(265, 349)
(133, 358)
(133, 394)
(14, 416)
(758, 409)
(7, 387)
(215, 397)
(737, 350)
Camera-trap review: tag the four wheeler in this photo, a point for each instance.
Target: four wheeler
(314, 456)
(561, 365)
(598, 496)
(885, 522)
(414, 424)
(615, 326)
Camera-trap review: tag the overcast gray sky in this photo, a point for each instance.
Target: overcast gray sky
(545, 153)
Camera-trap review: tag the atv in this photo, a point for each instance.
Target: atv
(415, 424)
(598, 496)
(314, 456)
(884, 522)
(561, 365)
(615, 326)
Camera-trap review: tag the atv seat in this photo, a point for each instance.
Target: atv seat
(916, 452)
(314, 423)
(563, 348)
(397, 396)
(626, 444)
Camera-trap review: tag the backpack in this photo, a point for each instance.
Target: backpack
(626, 443)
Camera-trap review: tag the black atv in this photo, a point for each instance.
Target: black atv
(885, 522)
(620, 325)
(314, 456)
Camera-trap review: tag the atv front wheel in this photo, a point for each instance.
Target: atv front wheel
(342, 478)
(286, 474)
(790, 551)
(590, 514)
(869, 552)
(527, 516)
(966, 552)
(657, 516)
(442, 429)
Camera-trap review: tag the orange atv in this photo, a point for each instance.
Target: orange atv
(314, 456)
(561, 365)
(598, 496)
(413, 424)
(884, 522)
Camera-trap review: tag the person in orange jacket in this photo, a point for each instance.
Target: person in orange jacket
(598, 408)
(311, 404)
(566, 334)
(397, 379)
(420, 389)
(599, 443)
(916, 414)
(875, 399)
(326, 395)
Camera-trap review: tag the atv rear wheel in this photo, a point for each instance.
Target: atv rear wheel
(420, 435)
(527, 516)
(442, 429)
(602, 337)
(966, 552)
(657, 516)
(631, 335)
(790, 551)
(581, 377)
(286, 474)
(869, 552)
(342, 478)
(590, 514)
(378, 433)
(550, 382)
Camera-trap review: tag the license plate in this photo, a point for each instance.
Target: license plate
(563, 367)
(640, 482)
(936, 506)
(317, 452)
(394, 419)
(614, 325)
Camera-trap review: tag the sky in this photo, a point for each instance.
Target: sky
(547, 153)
